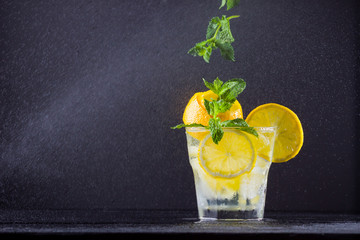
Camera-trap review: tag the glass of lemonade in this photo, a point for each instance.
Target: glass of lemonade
(231, 176)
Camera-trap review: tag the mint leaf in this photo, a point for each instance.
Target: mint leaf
(195, 51)
(231, 3)
(188, 125)
(199, 49)
(225, 34)
(208, 108)
(223, 2)
(215, 86)
(238, 122)
(207, 54)
(250, 130)
(212, 27)
(202, 49)
(209, 85)
(215, 107)
(231, 89)
(227, 92)
(226, 50)
(215, 129)
(221, 106)
(241, 124)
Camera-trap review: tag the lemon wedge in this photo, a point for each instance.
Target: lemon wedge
(195, 111)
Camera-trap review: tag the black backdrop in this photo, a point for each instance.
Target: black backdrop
(89, 90)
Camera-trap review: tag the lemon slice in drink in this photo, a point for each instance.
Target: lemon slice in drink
(289, 134)
(234, 155)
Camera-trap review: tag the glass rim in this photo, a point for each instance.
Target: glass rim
(203, 129)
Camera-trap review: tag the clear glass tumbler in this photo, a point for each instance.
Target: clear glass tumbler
(234, 197)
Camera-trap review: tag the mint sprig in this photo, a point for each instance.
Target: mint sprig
(229, 4)
(227, 93)
(218, 35)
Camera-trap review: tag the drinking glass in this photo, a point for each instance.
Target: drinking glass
(235, 197)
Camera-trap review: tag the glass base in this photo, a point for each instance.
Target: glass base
(229, 215)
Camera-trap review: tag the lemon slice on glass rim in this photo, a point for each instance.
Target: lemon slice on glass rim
(289, 134)
(234, 155)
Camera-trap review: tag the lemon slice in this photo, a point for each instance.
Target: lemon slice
(289, 134)
(234, 155)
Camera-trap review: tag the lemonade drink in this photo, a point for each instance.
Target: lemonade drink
(230, 156)
(233, 192)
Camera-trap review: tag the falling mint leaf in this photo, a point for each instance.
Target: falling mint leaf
(232, 3)
(226, 50)
(229, 4)
(223, 2)
(207, 54)
(212, 27)
(225, 34)
(218, 30)
(199, 49)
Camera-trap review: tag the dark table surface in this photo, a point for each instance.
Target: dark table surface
(173, 224)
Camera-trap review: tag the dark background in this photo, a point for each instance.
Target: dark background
(89, 90)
